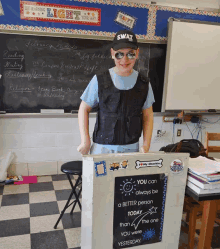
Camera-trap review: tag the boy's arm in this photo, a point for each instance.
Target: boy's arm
(148, 121)
(83, 120)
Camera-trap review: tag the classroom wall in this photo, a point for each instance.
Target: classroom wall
(42, 144)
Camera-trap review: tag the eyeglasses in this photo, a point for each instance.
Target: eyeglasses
(120, 55)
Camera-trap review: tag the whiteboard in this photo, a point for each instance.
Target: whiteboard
(192, 72)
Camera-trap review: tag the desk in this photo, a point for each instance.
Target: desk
(209, 203)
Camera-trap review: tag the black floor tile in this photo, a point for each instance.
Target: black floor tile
(15, 199)
(41, 186)
(49, 240)
(64, 194)
(44, 208)
(14, 227)
(71, 220)
(60, 177)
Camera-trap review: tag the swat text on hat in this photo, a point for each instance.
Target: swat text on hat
(125, 36)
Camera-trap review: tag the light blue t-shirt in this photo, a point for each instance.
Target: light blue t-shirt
(90, 96)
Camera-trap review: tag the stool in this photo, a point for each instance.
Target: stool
(191, 207)
(72, 168)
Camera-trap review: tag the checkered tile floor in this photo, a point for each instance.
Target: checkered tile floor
(29, 212)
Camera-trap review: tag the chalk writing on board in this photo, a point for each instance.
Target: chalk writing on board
(138, 210)
(14, 60)
(42, 45)
(16, 88)
(29, 76)
(13, 65)
(13, 55)
(50, 92)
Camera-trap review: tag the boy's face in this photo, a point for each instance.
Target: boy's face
(125, 59)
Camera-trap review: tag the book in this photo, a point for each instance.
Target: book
(202, 177)
(213, 176)
(201, 191)
(203, 166)
(201, 183)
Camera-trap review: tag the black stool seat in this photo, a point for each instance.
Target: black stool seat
(72, 168)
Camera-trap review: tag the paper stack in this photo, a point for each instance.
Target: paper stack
(204, 175)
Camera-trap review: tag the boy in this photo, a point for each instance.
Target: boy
(125, 101)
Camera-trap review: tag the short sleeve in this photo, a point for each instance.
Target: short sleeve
(90, 95)
(150, 98)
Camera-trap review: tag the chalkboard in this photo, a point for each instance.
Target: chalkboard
(47, 72)
(138, 210)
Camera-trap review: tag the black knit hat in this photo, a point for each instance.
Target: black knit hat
(124, 39)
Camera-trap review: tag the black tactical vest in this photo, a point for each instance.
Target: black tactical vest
(119, 118)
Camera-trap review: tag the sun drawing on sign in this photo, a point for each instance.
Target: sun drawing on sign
(128, 187)
(149, 234)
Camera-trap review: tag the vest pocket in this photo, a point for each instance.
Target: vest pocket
(105, 133)
(134, 126)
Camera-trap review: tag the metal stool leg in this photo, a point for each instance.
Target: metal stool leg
(78, 182)
(69, 199)
(77, 201)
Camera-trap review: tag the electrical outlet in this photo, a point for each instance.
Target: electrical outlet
(179, 131)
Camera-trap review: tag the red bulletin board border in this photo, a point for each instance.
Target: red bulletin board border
(62, 9)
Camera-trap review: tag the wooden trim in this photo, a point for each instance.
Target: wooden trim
(207, 144)
(213, 136)
(214, 148)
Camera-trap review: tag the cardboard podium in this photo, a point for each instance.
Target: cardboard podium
(133, 200)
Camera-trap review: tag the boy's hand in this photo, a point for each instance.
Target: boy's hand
(144, 149)
(84, 148)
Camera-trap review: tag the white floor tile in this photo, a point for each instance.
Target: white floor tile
(16, 189)
(44, 179)
(18, 242)
(44, 196)
(73, 237)
(14, 212)
(44, 223)
(59, 185)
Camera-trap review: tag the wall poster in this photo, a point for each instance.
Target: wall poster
(60, 13)
(139, 203)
